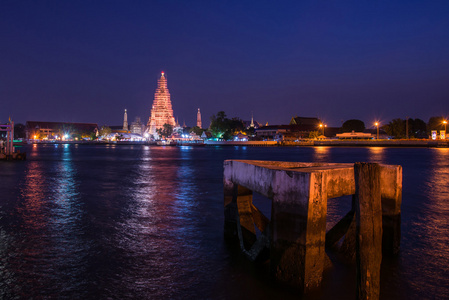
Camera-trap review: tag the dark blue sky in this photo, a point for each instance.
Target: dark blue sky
(86, 61)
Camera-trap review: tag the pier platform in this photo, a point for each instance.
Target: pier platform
(295, 233)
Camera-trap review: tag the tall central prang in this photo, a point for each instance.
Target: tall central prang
(161, 111)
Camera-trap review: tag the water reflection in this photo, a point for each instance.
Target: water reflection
(154, 233)
(321, 154)
(30, 217)
(376, 154)
(49, 214)
(433, 222)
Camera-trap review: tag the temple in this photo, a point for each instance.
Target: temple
(161, 111)
(125, 121)
(198, 119)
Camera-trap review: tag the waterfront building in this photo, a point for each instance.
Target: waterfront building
(355, 135)
(272, 132)
(58, 130)
(125, 121)
(198, 119)
(291, 132)
(137, 127)
(305, 121)
(161, 111)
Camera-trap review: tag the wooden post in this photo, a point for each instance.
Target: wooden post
(8, 138)
(368, 229)
(12, 138)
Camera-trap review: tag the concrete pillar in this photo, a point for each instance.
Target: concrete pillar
(369, 229)
(391, 182)
(230, 211)
(239, 221)
(296, 233)
(299, 229)
(247, 230)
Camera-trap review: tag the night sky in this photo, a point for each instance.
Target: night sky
(86, 61)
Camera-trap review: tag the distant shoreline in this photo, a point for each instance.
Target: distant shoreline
(305, 143)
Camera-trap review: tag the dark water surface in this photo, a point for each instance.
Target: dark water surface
(140, 222)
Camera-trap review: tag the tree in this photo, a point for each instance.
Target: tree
(223, 128)
(105, 131)
(219, 125)
(353, 125)
(166, 130)
(314, 134)
(395, 128)
(198, 131)
(435, 123)
(417, 128)
(250, 131)
(19, 131)
(65, 130)
(93, 136)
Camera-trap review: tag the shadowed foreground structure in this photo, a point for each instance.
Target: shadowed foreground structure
(296, 233)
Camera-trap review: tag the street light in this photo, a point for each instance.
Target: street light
(322, 126)
(444, 122)
(377, 125)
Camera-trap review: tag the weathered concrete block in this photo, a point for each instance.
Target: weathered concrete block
(296, 232)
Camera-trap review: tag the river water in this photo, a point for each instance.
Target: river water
(141, 222)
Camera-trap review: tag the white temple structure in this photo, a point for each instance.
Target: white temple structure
(198, 119)
(125, 121)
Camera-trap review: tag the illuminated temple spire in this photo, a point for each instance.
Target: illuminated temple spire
(125, 121)
(198, 118)
(161, 111)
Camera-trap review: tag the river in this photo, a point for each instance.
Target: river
(146, 222)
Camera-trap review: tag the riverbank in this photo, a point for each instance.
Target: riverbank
(304, 143)
(337, 143)
(383, 143)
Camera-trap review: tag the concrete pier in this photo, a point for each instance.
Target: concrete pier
(296, 232)
(7, 148)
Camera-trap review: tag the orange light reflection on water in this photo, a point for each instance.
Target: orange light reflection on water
(321, 154)
(376, 154)
(434, 219)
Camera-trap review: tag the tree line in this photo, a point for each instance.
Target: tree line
(397, 128)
